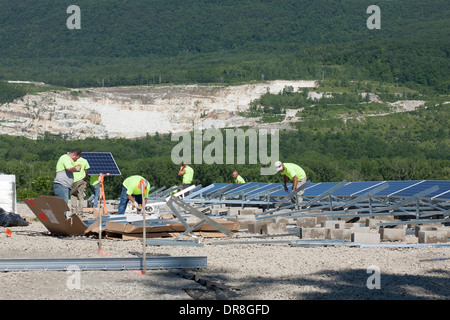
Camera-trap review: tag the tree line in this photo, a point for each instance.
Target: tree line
(141, 43)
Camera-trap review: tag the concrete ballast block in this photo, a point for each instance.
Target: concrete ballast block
(247, 211)
(307, 222)
(333, 224)
(313, 233)
(255, 227)
(273, 228)
(345, 234)
(366, 237)
(360, 229)
(431, 228)
(233, 211)
(392, 234)
(433, 236)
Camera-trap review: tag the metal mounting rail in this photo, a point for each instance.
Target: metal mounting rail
(409, 200)
(198, 214)
(89, 264)
(293, 194)
(325, 194)
(155, 193)
(364, 196)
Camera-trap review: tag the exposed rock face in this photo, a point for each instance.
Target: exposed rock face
(132, 112)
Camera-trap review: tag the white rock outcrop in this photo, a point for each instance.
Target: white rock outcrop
(133, 112)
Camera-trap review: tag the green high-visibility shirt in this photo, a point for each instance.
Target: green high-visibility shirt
(239, 179)
(188, 175)
(77, 176)
(132, 186)
(291, 170)
(94, 180)
(63, 176)
(64, 162)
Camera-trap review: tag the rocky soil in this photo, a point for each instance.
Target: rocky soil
(234, 271)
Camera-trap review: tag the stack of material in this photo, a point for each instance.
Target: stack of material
(126, 231)
(51, 212)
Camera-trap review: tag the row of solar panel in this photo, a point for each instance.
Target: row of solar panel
(393, 189)
(103, 162)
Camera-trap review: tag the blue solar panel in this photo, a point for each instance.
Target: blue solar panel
(443, 192)
(265, 187)
(319, 188)
(101, 163)
(395, 188)
(281, 192)
(410, 190)
(357, 188)
(216, 187)
(254, 185)
(407, 188)
(424, 185)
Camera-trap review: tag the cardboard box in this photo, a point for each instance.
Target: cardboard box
(50, 211)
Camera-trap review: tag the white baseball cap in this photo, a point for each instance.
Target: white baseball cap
(278, 165)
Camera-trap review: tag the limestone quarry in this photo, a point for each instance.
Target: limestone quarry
(137, 111)
(133, 112)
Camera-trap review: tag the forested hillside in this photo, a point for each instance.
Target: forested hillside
(197, 41)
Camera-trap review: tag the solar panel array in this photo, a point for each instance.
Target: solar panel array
(399, 189)
(101, 163)
(395, 189)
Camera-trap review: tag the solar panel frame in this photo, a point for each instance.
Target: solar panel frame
(215, 188)
(443, 185)
(264, 187)
(397, 188)
(354, 188)
(101, 163)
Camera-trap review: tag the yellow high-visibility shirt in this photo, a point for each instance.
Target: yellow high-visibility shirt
(291, 170)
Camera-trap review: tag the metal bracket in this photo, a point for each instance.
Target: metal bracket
(198, 214)
(293, 194)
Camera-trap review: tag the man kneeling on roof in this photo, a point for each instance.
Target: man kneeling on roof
(131, 191)
(237, 178)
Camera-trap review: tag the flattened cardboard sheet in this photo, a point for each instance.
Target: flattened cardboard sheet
(50, 211)
(126, 228)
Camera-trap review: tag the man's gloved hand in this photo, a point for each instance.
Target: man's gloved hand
(137, 206)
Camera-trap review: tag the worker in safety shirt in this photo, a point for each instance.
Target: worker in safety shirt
(95, 188)
(79, 185)
(64, 174)
(131, 191)
(293, 172)
(188, 175)
(237, 178)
